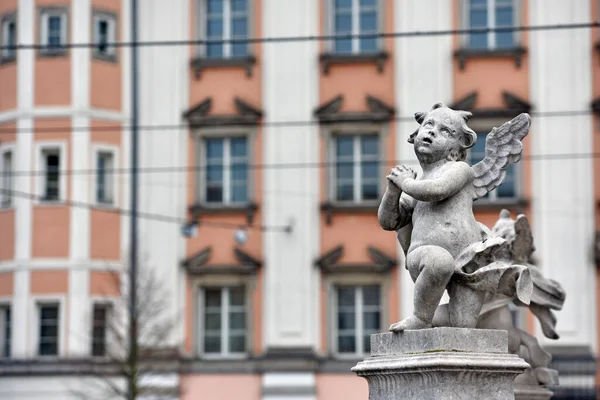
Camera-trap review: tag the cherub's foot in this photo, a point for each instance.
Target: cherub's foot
(409, 323)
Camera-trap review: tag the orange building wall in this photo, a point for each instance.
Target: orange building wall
(7, 234)
(49, 281)
(104, 283)
(8, 71)
(221, 387)
(341, 386)
(6, 284)
(105, 80)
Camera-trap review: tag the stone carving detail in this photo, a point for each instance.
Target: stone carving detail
(547, 295)
(446, 248)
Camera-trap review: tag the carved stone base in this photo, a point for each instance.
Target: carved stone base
(527, 385)
(441, 363)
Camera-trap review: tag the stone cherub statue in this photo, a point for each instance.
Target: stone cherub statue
(446, 248)
(547, 295)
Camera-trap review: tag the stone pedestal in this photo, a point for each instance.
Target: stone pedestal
(441, 363)
(527, 386)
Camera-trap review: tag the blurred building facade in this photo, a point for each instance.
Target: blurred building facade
(294, 133)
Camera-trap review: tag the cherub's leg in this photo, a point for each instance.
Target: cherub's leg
(431, 267)
(539, 357)
(464, 306)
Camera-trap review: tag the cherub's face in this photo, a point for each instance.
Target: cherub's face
(438, 135)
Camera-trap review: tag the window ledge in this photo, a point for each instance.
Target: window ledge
(8, 60)
(6, 207)
(328, 59)
(331, 208)
(53, 53)
(465, 54)
(200, 209)
(514, 204)
(201, 63)
(111, 58)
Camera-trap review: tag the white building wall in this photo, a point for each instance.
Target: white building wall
(290, 90)
(163, 97)
(563, 189)
(423, 77)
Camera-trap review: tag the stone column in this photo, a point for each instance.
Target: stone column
(441, 363)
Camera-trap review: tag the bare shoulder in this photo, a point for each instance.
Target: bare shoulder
(461, 168)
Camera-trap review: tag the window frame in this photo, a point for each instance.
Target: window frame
(220, 281)
(200, 156)
(7, 148)
(329, 133)
(482, 130)
(357, 280)
(5, 19)
(40, 149)
(200, 20)
(491, 36)
(44, 14)
(97, 150)
(36, 303)
(109, 305)
(6, 343)
(113, 26)
(330, 27)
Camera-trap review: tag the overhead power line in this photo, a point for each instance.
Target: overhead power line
(150, 216)
(175, 127)
(284, 166)
(286, 39)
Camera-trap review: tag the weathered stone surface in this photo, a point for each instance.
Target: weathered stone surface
(439, 339)
(447, 363)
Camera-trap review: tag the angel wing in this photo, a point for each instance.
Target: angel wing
(503, 147)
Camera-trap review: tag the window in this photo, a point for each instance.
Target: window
(8, 34)
(225, 20)
(356, 175)
(508, 189)
(6, 178)
(355, 17)
(105, 27)
(226, 170)
(493, 14)
(223, 320)
(51, 176)
(53, 30)
(105, 178)
(357, 315)
(49, 330)
(99, 327)
(5, 331)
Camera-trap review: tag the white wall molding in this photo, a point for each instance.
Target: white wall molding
(291, 285)
(46, 112)
(423, 76)
(59, 263)
(563, 191)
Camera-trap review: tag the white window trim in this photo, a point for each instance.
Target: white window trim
(111, 19)
(6, 302)
(34, 335)
(7, 148)
(111, 303)
(491, 7)
(4, 21)
(45, 14)
(213, 281)
(201, 12)
(40, 147)
(330, 24)
(114, 150)
(332, 283)
(330, 132)
(200, 176)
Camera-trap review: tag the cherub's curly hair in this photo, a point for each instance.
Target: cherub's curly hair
(468, 136)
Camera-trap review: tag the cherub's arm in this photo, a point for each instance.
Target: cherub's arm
(394, 211)
(448, 184)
